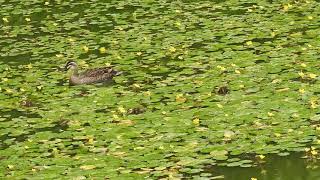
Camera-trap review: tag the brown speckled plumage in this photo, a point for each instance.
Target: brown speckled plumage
(90, 76)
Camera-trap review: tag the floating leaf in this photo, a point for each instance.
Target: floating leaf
(87, 167)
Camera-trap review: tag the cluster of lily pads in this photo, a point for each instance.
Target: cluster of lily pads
(204, 83)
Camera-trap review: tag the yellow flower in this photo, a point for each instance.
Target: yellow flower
(237, 71)
(59, 55)
(286, 7)
(136, 85)
(27, 19)
(277, 134)
(180, 98)
(310, 17)
(314, 152)
(85, 48)
(90, 140)
(249, 43)
(270, 114)
(5, 19)
(295, 115)
(172, 49)
(253, 178)
(147, 93)
(301, 74)
(303, 65)
(302, 91)
(119, 28)
(220, 105)
(228, 134)
(261, 156)
(9, 91)
(221, 68)
(312, 76)
(71, 40)
(102, 50)
(139, 53)
(115, 116)
(122, 110)
(178, 23)
(313, 103)
(83, 63)
(196, 121)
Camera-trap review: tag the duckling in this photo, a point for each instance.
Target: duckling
(91, 76)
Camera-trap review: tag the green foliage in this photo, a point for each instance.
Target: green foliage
(165, 116)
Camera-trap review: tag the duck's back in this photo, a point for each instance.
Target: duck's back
(94, 76)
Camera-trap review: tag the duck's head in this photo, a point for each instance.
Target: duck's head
(71, 65)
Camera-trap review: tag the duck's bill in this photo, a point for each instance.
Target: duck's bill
(118, 73)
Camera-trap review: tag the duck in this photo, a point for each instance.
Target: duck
(91, 76)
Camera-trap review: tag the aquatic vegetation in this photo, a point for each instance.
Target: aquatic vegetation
(205, 82)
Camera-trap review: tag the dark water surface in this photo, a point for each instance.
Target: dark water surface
(291, 167)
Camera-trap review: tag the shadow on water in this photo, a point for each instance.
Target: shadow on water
(13, 113)
(291, 167)
(56, 127)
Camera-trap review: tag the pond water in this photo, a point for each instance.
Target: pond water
(292, 167)
(204, 84)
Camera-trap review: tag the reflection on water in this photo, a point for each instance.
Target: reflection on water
(291, 167)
